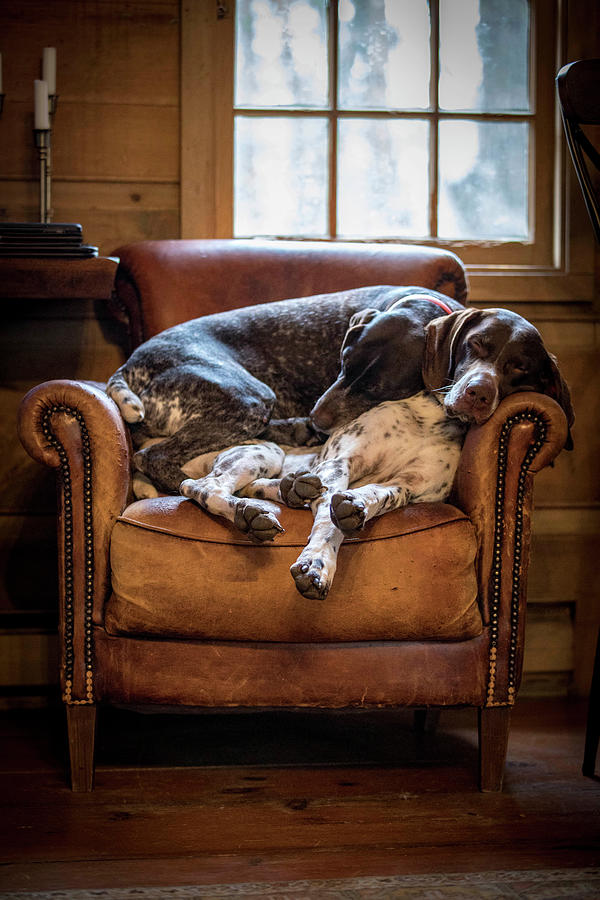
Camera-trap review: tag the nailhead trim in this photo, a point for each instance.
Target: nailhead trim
(539, 439)
(68, 649)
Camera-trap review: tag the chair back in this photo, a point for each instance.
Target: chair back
(579, 97)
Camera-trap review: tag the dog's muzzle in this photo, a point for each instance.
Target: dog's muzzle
(473, 398)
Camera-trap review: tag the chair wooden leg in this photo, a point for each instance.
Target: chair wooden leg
(592, 733)
(81, 727)
(494, 724)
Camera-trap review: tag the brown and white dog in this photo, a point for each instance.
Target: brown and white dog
(476, 357)
(398, 452)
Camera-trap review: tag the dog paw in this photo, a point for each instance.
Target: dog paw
(191, 489)
(257, 521)
(348, 512)
(299, 489)
(143, 489)
(310, 579)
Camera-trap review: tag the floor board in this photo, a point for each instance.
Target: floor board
(219, 798)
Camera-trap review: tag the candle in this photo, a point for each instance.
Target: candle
(40, 94)
(49, 68)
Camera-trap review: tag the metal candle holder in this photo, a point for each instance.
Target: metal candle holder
(43, 143)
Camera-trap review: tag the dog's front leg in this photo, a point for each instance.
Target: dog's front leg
(351, 509)
(314, 570)
(233, 470)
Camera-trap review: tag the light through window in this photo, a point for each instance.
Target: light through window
(390, 119)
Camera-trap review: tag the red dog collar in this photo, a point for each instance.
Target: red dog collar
(439, 303)
(435, 300)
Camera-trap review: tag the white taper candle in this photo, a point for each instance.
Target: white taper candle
(49, 68)
(40, 95)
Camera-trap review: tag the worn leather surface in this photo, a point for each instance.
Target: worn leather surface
(84, 433)
(199, 578)
(255, 674)
(161, 283)
(476, 493)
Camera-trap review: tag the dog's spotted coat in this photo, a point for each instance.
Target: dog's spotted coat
(399, 452)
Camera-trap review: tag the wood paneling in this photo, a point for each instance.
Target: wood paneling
(116, 131)
(40, 340)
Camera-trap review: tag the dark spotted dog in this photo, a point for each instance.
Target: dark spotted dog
(257, 371)
(399, 452)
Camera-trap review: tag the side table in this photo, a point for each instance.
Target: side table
(55, 324)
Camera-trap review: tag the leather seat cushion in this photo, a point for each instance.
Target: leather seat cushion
(180, 572)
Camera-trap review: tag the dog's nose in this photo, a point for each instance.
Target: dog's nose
(481, 391)
(321, 418)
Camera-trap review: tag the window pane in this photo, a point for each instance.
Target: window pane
(484, 55)
(281, 53)
(483, 180)
(383, 54)
(281, 170)
(383, 181)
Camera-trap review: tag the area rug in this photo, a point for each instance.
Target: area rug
(537, 884)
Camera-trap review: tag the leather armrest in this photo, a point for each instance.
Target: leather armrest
(73, 427)
(494, 486)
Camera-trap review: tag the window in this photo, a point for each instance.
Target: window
(390, 120)
(383, 119)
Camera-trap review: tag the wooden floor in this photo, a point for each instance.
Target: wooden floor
(269, 797)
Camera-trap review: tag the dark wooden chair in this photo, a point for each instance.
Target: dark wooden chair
(579, 96)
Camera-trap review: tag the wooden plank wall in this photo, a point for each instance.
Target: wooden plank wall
(116, 129)
(116, 170)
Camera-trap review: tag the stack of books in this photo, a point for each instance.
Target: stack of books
(39, 239)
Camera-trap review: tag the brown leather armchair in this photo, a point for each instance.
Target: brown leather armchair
(162, 604)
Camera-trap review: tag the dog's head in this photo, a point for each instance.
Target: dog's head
(480, 356)
(380, 360)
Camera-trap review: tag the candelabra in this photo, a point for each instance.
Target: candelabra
(43, 143)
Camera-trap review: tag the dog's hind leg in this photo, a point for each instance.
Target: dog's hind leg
(351, 509)
(233, 470)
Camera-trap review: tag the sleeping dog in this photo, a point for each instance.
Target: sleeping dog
(270, 370)
(257, 371)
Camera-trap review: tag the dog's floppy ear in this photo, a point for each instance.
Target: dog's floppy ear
(558, 388)
(357, 323)
(362, 317)
(441, 336)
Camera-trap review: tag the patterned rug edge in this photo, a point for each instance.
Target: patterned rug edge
(541, 884)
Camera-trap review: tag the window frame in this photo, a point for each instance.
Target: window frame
(558, 266)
